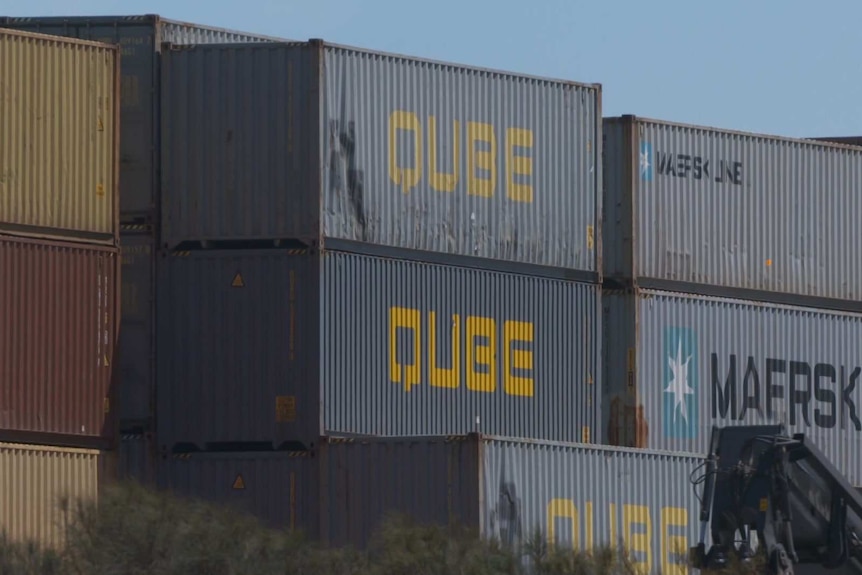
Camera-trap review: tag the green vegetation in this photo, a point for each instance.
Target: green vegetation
(135, 531)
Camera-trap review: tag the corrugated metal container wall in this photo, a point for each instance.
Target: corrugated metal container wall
(140, 39)
(247, 339)
(35, 481)
(678, 364)
(137, 458)
(579, 496)
(433, 479)
(279, 488)
(736, 210)
(415, 154)
(137, 336)
(59, 308)
(59, 131)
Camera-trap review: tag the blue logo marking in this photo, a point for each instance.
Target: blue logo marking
(645, 161)
(680, 384)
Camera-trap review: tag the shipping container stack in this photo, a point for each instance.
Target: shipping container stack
(362, 244)
(735, 289)
(354, 282)
(140, 39)
(59, 276)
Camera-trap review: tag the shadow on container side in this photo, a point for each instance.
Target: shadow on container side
(137, 457)
(278, 487)
(137, 325)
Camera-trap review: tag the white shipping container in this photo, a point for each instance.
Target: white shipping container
(677, 364)
(710, 207)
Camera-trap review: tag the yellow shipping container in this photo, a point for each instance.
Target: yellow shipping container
(35, 479)
(59, 137)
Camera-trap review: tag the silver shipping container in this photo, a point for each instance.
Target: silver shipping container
(280, 346)
(140, 39)
(311, 141)
(279, 488)
(137, 334)
(578, 496)
(676, 364)
(710, 207)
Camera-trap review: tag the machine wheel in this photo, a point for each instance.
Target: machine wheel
(779, 562)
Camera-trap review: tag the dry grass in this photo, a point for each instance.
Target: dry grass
(135, 531)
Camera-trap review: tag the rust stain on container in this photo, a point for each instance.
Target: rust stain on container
(34, 482)
(60, 311)
(59, 137)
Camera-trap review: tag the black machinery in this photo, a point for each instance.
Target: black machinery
(758, 480)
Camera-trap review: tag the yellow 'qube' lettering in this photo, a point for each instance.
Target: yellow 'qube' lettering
(478, 345)
(637, 532)
(406, 133)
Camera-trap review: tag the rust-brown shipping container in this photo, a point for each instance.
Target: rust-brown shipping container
(59, 137)
(60, 309)
(35, 480)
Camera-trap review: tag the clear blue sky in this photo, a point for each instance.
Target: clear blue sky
(785, 67)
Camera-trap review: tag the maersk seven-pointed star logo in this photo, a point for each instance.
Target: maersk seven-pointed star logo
(645, 161)
(680, 386)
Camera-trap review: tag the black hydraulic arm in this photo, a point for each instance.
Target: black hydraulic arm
(784, 488)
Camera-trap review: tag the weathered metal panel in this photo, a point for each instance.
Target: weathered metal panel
(35, 483)
(59, 132)
(395, 151)
(137, 333)
(699, 361)
(279, 488)
(579, 496)
(736, 210)
(140, 39)
(59, 305)
(349, 343)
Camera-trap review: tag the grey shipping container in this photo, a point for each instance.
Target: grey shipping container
(282, 345)
(311, 141)
(137, 334)
(279, 488)
(140, 39)
(676, 364)
(579, 496)
(700, 207)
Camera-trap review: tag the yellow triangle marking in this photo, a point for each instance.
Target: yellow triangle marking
(238, 483)
(237, 281)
